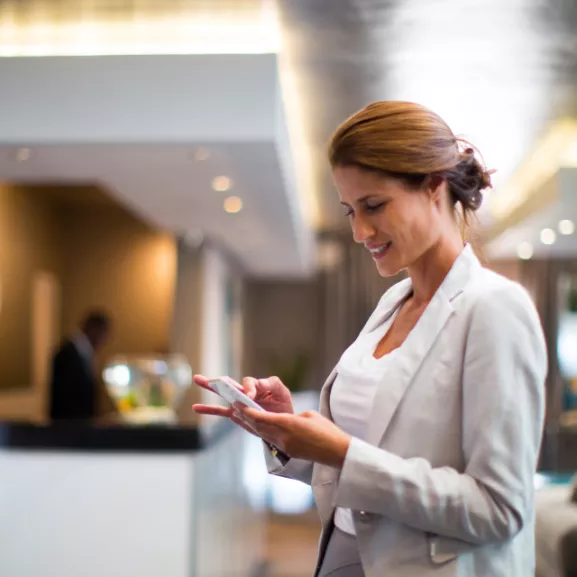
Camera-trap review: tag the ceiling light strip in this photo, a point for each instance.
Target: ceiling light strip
(557, 149)
(196, 32)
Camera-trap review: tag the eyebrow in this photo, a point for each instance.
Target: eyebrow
(362, 199)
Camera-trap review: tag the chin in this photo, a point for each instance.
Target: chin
(388, 269)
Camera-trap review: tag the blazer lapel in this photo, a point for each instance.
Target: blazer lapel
(409, 357)
(325, 408)
(380, 315)
(324, 476)
(413, 351)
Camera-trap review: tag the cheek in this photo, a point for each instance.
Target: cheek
(419, 225)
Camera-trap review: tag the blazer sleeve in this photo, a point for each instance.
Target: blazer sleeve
(503, 392)
(296, 469)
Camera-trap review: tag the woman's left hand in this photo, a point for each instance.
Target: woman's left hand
(308, 436)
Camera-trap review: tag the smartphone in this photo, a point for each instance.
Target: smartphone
(229, 390)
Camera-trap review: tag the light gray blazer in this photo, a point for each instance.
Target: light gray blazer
(443, 483)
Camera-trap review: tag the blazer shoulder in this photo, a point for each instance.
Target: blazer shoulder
(489, 286)
(492, 295)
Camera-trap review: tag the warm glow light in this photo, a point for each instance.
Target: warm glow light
(548, 236)
(525, 251)
(329, 254)
(23, 154)
(201, 154)
(221, 183)
(297, 124)
(566, 227)
(233, 204)
(198, 29)
(557, 149)
(118, 375)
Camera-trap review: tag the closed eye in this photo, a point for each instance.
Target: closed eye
(367, 208)
(375, 208)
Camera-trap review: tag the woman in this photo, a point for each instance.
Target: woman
(423, 454)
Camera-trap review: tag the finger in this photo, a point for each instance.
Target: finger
(265, 386)
(239, 413)
(275, 382)
(249, 386)
(265, 417)
(212, 410)
(238, 407)
(202, 381)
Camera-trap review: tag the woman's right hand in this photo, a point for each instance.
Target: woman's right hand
(270, 393)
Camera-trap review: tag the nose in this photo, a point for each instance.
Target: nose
(362, 229)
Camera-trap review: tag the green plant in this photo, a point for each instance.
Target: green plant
(572, 300)
(291, 369)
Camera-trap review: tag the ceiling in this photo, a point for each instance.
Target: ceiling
(168, 186)
(497, 70)
(553, 208)
(136, 126)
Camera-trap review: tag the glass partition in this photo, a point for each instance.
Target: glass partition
(148, 389)
(567, 346)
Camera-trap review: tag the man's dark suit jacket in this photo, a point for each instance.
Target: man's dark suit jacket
(73, 386)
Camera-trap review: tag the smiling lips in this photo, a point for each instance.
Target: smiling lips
(379, 251)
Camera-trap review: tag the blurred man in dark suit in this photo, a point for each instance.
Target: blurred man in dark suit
(75, 384)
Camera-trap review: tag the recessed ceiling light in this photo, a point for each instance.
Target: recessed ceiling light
(221, 183)
(525, 250)
(566, 227)
(233, 204)
(201, 154)
(548, 236)
(23, 154)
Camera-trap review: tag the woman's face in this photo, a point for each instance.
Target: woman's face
(397, 224)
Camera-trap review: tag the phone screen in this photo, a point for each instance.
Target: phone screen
(232, 393)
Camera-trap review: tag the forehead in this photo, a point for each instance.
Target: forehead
(355, 184)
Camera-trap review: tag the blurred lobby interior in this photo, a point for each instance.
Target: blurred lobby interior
(165, 160)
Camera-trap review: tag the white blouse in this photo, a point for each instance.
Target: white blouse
(359, 374)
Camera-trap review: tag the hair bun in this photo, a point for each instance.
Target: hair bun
(468, 179)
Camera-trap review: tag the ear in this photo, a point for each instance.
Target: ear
(434, 186)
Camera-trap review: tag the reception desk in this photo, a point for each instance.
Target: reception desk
(130, 502)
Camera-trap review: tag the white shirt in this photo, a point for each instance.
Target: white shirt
(359, 374)
(84, 347)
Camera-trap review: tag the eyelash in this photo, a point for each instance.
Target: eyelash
(375, 208)
(368, 209)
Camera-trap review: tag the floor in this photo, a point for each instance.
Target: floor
(292, 545)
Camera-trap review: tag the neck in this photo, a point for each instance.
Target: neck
(429, 271)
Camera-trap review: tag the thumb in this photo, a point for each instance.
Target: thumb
(249, 387)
